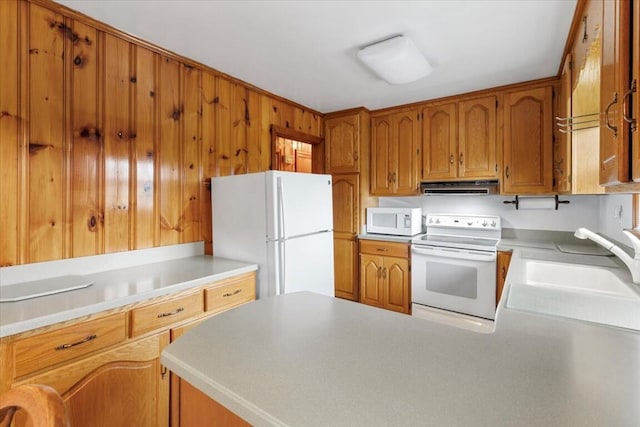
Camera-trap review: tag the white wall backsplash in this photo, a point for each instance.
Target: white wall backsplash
(593, 212)
(611, 220)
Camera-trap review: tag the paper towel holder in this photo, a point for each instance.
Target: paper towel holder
(517, 199)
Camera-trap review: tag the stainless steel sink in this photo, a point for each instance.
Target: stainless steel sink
(596, 294)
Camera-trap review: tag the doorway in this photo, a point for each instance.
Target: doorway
(295, 151)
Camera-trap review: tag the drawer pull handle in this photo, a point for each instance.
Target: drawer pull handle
(87, 339)
(230, 294)
(171, 313)
(382, 249)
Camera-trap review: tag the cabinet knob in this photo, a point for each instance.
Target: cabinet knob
(451, 159)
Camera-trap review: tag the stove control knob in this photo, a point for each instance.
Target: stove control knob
(437, 220)
(430, 220)
(484, 223)
(470, 223)
(493, 223)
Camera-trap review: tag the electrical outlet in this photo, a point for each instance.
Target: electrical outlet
(617, 212)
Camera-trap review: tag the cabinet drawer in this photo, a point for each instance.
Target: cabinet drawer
(377, 247)
(50, 348)
(162, 314)
(229, 293)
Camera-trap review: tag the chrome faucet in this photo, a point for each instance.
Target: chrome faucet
(632, 263)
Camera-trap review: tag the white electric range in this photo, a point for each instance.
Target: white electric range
(453, 266)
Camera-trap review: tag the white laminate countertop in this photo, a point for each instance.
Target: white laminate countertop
(385, 237)
(116, 288)
(304, 359)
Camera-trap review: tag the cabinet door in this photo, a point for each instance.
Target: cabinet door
(405, 142)
(395, 273)
(504, 259)
(439, 142)
(477, 155)
(381, 154)
(126, 386)
(342, 142)
(528, 141)
(614, 142)
(345, 268)
(371, 282)
(562, 145)
(345, 228)
(633, 97)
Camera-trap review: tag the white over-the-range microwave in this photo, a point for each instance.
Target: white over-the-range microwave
(394, 221)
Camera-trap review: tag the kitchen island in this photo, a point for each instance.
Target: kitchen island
(308, 360)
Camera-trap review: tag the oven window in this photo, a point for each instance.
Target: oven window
(456, 280)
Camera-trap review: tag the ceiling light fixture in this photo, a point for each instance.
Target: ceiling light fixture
(396, 60)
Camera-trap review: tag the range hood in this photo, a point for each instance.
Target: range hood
(459, 188)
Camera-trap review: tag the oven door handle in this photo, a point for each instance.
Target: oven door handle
(463, 254)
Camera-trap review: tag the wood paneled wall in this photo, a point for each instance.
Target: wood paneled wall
(107, 142)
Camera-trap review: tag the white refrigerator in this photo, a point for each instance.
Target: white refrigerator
(282, 221)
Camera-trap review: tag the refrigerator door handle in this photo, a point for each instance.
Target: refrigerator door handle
(283, 266)
(280, 236)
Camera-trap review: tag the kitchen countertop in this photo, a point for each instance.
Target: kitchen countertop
(385, 237)
(305, 359)
(116, 288)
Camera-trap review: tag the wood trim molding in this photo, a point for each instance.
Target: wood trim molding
(548, 81)
(279, 131)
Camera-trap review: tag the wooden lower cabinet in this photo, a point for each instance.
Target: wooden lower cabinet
(107, 367)
(385, 275)
(344, 253)
(504, 259)
(195, 406)
(124, 386)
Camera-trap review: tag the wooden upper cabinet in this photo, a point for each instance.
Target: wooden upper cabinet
(477, 138)
(395, 153)
(528, 141)
(634, 96)
(614, 164)
(619, 140)
(406, 139)
(439, 142)
(562, 144)
(342, 144)
(459, 140)
(380, 151)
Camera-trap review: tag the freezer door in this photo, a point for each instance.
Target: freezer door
(307, 263)
(299, 204)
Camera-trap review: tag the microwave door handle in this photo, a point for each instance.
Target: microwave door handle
(455, 253)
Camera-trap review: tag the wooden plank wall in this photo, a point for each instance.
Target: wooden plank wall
(107, 142)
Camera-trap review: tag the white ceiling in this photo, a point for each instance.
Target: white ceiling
(305, 51)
